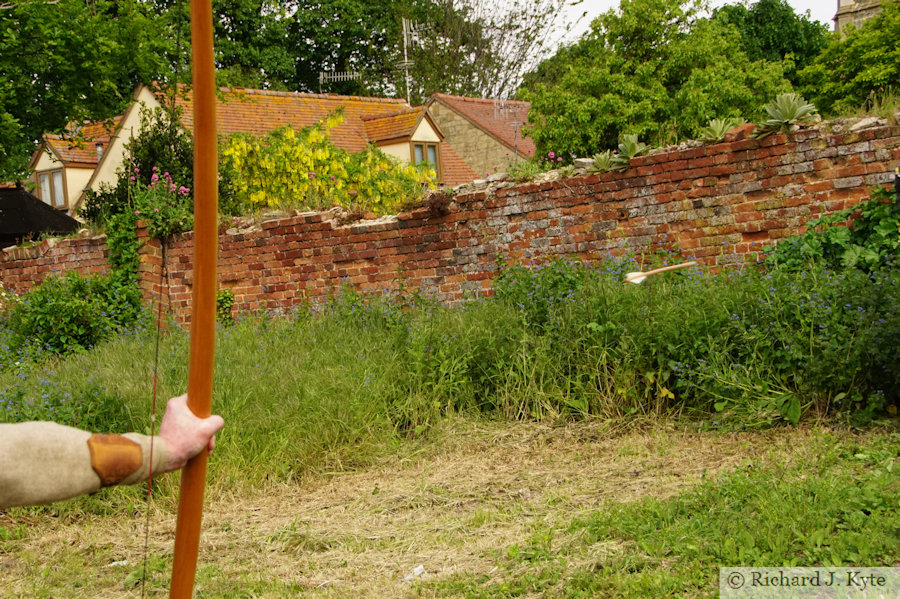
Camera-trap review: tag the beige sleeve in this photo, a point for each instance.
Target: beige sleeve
(41, 462)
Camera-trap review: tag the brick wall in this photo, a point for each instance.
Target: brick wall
(20, 268)
(719, 203)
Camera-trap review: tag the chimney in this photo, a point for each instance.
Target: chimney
(99, 152)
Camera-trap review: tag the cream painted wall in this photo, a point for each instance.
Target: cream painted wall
(399, 151)
(115, 152)
(425, 133)
(46, 162)
(76, 182)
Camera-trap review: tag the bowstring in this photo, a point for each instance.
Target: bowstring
(163, 285)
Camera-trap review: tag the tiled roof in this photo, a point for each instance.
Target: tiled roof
(495, 117)
(454, 170)
(81, 146)
(392, 126)
(260, 111)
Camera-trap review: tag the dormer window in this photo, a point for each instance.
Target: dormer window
(426, 153)
(52, 189)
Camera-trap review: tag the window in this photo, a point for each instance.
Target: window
(44, 180)
(52, 188)
(59, 196)
(426, 153)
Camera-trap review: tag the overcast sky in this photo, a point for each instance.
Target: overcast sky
(820, 10)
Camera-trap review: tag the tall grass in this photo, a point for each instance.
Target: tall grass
(332, 387)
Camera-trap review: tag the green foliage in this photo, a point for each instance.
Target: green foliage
(786, 113)
(852, 67)
(123, 245)
(304, 169)
(537, 292)
(161, 145)
(814, 338)
(225, 307)
(114, 46)
(629, 147)
(654, 69)
(717, 128)
(559, 341)
(89, 407)
(606, 161)
(864, 236)
(165, 206)
(474, 48)
(771, 30)
(526, 170)
(478, 48)
(65, 314)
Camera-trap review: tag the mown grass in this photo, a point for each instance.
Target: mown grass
(839, 508)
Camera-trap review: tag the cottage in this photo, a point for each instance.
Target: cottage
(65, 168)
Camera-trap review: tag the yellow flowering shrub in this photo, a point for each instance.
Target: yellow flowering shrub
(303, 169)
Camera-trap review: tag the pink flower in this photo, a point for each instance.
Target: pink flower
(154, 178)
(131, 178)
(559, 159)
(171, 187)
(155, 169)
(136, 212)
(137, 170)
(551, 154)
(156, 210)
(183, 191)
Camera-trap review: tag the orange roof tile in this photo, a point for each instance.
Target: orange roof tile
(495, 118)
(260, 111)
(392, 126)
(80, 146)
(453, 169)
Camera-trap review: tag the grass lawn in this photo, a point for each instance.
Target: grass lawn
(493, 509)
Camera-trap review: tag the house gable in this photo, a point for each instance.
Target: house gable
(487, 134)
(129, 125)
(63, 165)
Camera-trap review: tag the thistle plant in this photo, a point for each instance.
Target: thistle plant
(787, 112)
(607, 161)
(717, 128)
(630, 147)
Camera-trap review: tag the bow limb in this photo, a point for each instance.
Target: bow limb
(203, 313)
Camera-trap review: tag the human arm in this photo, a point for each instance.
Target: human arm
(42, 462)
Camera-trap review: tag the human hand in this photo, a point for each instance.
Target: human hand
(186, 434)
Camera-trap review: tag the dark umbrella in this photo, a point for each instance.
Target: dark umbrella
(23, 216)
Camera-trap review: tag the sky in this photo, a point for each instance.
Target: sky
(820, 10)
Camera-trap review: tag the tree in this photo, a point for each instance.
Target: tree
(340, 36)
(852, 70)
(66, 61)
(481, 48)
(654, 68)
(465, 47)
(771, 30)
(250, 44)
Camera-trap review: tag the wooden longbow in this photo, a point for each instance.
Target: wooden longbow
(203, 310)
